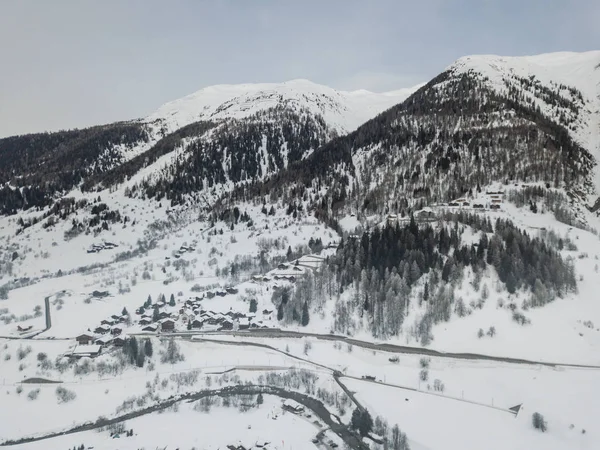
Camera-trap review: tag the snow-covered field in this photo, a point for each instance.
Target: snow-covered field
(188, 428)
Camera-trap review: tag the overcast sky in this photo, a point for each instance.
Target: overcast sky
(75, 63)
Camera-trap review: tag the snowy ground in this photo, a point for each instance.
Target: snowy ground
(471, 412)
(188, 428)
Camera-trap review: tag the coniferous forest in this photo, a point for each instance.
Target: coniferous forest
(376, 276)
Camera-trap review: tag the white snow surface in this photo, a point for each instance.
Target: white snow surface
(343, 111)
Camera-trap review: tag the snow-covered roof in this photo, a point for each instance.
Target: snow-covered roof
(86, 349)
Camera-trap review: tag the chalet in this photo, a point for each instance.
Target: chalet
(120, 341)
(115, 318)
(167, 325)
(104, 341)
(84, 339)
(495, 206)
(282, 266)
(478, 206)
(425, 213)
(226, 325)
(496, 200)
(108, 322)
(164, 315)
(292, 406)
(197, 324)
(115, 331)
(151, 328)
(466, 204)
(453, 204)
(243, 323)
(90, 351)
(210, 294)
(221, 293)
(161, 304)
(267, 311)
(23, 329)
(392, 218)
(231, 290)
(102, 329)
(145, 321)
(214, 320)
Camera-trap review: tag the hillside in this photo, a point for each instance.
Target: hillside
(288, 257)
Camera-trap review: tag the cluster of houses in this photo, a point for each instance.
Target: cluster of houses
(194, 317)
(494, 201)
(96, 248)
(424, 215)
(183, 249)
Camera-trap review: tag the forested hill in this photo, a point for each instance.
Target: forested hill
(464, 129)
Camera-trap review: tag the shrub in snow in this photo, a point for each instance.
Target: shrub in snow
(64, 395)
(491, 332)
(33, 395)
(480, 333)
(538, 422)
(520, 318)
(41, 356)
(438, 385)
(19, 389)
(424, 363)
(424, 375)
(172, 354)
(23, 352)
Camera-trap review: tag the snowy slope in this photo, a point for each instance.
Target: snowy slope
(576, 70)
(343, 111)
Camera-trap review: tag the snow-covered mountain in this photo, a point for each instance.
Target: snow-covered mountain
(565, 85)
(429, 256)
(342, 111)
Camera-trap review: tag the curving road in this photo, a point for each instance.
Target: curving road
(274, 333)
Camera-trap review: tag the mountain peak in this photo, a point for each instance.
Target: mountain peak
(343, 111)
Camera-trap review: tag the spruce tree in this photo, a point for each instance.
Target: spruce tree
(305, 316)
(253, 305)
(148, 348)
(172, 300)
(280, 312)
(155, 314)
